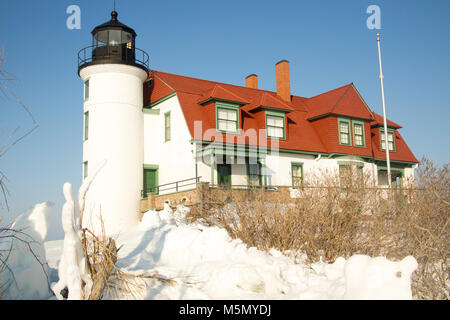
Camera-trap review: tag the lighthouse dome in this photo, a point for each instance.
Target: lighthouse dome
(113, 43)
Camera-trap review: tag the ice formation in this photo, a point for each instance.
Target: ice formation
(72, 268)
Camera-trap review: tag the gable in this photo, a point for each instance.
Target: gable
(343, 101)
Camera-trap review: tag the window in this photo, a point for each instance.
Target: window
(297, 175)
(275, 125)
(224, 175)
(85, 169)
(254, 174)
(358, 134)
(391, 141)
(350, 173)
(396, 177)
(344, 132)
(86, 89)
(86, 125)
(227, 118)
(167, 126)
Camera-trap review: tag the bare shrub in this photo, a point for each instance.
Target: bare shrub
(342, 215)
(9, 238)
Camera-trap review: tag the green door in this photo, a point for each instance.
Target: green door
(224, 175)
(150, 181)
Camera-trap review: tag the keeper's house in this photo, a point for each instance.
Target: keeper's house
(161, 133)
(239, 135)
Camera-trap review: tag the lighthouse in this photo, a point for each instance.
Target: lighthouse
(113, 71)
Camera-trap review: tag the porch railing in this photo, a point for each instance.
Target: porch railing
(176, 186)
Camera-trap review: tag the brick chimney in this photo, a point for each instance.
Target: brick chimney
(283, 82)
(251, 81)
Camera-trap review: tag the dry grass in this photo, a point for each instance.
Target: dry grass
(330, 220)
(102, 256)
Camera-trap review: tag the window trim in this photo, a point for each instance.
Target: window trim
(390, 130)
(347, 121)
(167, 115)
(357, 122)
(297, 164)
(228, 106)
(278, 115)
(86, 92)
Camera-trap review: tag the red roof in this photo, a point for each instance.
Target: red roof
(266, 100)
(311, 123)
(344, 101)
(378, 120)
(220, 93)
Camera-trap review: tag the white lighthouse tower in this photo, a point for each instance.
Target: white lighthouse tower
(113, 71)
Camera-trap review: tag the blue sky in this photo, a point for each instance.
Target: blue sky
(327, 43)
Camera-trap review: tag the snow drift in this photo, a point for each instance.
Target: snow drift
(207, 264)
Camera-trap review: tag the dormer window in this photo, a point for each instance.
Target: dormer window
(227, 117)
(344, 132)
(275, 125)
(391, 140)
(349, 128)
(358, 134)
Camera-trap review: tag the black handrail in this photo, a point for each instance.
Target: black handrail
(135, 56)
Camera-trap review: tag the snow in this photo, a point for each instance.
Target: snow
(72, 268)
(26, 274)
(378, 278)
(205, 263)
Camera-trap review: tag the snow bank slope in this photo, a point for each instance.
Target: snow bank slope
(25, 275)
(208, 264)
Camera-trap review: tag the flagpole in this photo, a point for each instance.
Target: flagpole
(386, 142)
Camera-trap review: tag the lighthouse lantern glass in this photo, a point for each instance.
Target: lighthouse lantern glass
(112, 38)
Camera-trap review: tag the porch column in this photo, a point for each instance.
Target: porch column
(263, 169)
(212, 163)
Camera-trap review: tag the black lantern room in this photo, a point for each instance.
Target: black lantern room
(113, 43)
